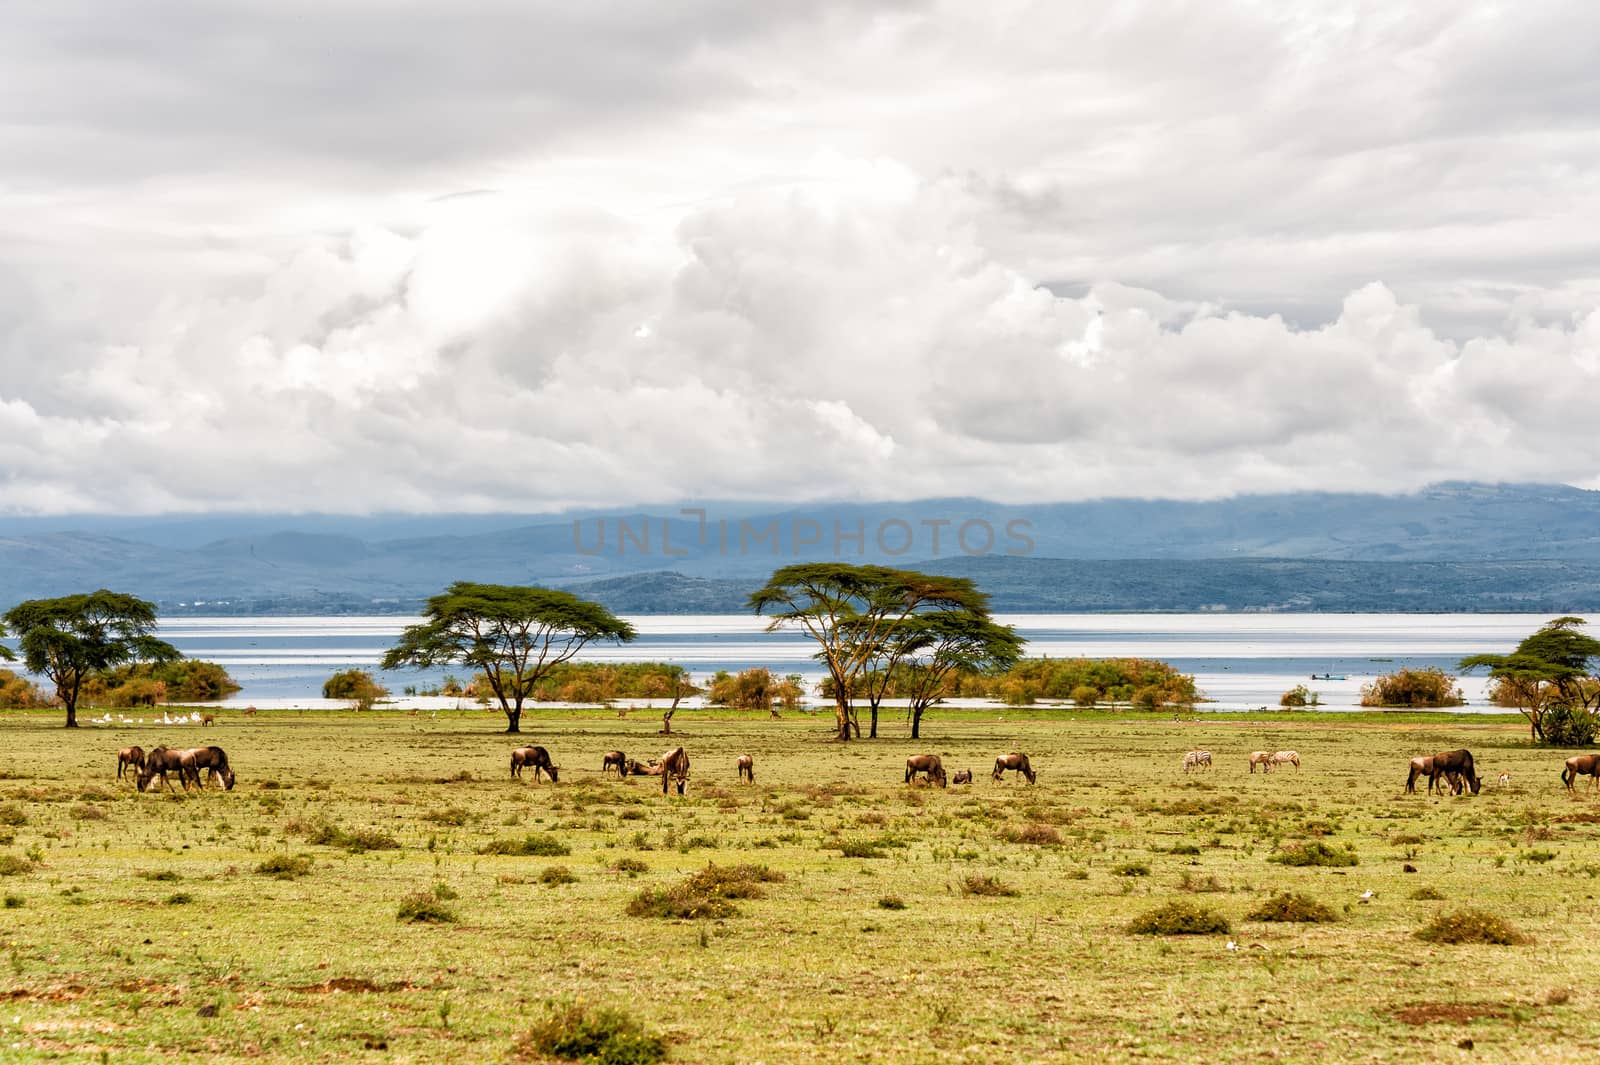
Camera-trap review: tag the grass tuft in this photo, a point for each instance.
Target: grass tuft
(989, 885)
(891, 902)
(1040, 835)
(705, 895)
(557, 874)
(1470, 926)
(285, 866)
(424, 907)
(1315, 852)
(593, 1035)
(1180, 918)
(1292, 907)
(533, 845)
(11, 865)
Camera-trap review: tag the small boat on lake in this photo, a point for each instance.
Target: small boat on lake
(1328, 676)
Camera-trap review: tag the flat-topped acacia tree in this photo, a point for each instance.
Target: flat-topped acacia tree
(73, 637)
(514, 634)
(852, 612)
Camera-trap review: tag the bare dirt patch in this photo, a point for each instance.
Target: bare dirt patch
(1451, 1012)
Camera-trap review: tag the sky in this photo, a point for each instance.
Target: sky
(504, 255)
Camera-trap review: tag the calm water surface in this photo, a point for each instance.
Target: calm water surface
(1241, 661)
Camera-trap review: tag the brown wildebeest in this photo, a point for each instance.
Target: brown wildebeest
(1262, 759)
(214, 760)
(537, 757)
(675, 764)
(208, 719)
(928, 765)
(160, 762)
(130, 758)
(1015, 760)
(963, 776)
(637, 768)
(614, 760)
(746, 767)
(1286, 758)
(1421, 766)
(1580, 765)
(1459, 761)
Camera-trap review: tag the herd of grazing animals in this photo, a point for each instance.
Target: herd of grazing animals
(1447, 769)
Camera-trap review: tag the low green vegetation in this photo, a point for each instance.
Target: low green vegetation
(1428, 688)
(827, 913)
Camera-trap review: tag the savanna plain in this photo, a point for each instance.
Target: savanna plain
(377, 887)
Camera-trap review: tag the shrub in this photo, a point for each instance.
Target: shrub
(861, 848)
(1567, 726)
(15, 902)
(1429, 687)
(1131, 869)
(597, 1036)
(1426, 894)
(1179, 918)
(1470, 926)
(891, 902)
(1039, 835)
(424, 907)
(158, 874)
(179, 898)
(11, 865)
(20, 693)
(1315, 852)
(356, 685)
(557, 874)
(367, 839)
(1299, 695)
(13, 814)
(533, 845)
(285, 866)
(444, 892)
(707, 894)
(988, 885)
(1288, 906)
(631, 866)
(454, 816)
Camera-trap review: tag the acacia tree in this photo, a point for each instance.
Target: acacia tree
(952, 643)
(852, 611)
(1553, 668)
(514, 634)
(71, 638)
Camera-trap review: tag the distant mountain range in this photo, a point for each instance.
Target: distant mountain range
(1449, 547)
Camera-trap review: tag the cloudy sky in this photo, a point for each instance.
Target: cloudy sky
(352, 255)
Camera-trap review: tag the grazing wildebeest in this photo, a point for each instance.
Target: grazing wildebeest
(537, 757)
(928, 765)
(1015, 760)
(130, 758)
(746, 767)
(1286, 758)
(1580, 765)
(1196, 759)
(1421, 766)
(963, 776)
(614, 760)
(1262, 759)
(675, 765)
(1459, 762)
(213, 760)
(160, 762)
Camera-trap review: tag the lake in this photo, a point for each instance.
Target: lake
(1240, 661)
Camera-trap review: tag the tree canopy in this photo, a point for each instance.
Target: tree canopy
(854, 614)
(70, 638)
(1551, 675)
(513, 634)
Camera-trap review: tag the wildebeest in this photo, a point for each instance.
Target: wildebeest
(213, 760)
(1286, 758)
(963, 776)
(1015, 760)
(1580, 765)
(928, 765)
(160, 762)
(637, 768)
(1262, 759)
(675, 764)
(537, 757)
(1421, 766)
(746, 767)
(614, 760)
(1458, 761)
(130, 758)
(1196, 759)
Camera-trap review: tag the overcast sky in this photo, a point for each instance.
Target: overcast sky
(351, 255)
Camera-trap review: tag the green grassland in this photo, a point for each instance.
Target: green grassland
(141, 928)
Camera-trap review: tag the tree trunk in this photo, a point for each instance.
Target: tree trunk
(841, 714)
(916, 723)
(72, 715)
(873, 734)
(514, 719)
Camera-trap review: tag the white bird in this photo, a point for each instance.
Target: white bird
(1366, 896)
(1232, 945)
